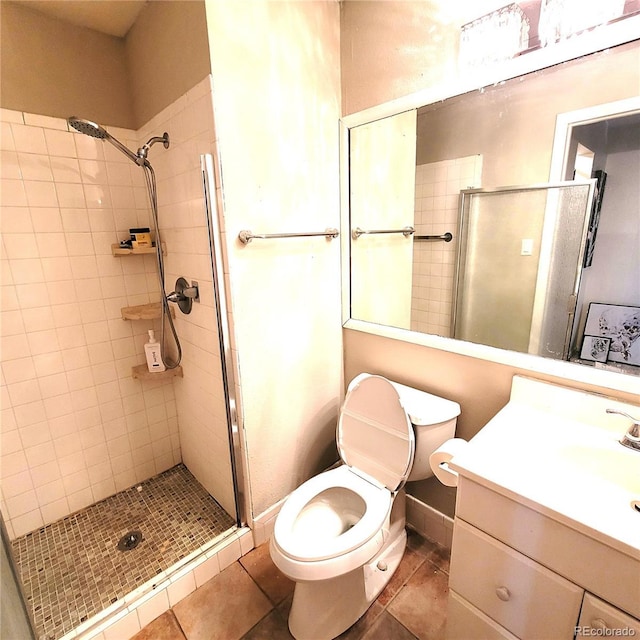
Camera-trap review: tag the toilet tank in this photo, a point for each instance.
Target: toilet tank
(434, 422)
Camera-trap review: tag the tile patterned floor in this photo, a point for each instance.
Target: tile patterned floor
(71, 569)
(250, 600)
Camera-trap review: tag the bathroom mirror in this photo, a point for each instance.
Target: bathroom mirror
(521, 138)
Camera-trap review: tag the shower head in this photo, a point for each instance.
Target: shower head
(96, 131)
(88, 128)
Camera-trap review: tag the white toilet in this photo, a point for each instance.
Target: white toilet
(341, 535)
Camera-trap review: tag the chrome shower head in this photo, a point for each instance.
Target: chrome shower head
(88, 128)
(96, 131)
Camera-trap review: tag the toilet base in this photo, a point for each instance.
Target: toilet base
(322, 610)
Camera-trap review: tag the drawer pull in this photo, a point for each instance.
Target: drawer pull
(599, 624)
(503, 593)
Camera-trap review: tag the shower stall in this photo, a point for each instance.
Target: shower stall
(111, 475)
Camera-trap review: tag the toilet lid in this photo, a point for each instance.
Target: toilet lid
(374, 432)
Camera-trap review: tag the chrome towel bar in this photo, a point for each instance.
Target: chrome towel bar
(447, 237)
(406, 232)
(247, 236)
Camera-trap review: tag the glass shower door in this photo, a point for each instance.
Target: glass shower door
(519, 264)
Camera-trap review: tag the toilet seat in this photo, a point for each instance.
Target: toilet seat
(335, 522)
(375, 435)
(324, 544)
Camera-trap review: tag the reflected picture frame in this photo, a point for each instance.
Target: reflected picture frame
(595, 348)
(620, 324)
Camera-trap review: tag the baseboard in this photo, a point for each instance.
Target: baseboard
(429, 522)
(263, 524)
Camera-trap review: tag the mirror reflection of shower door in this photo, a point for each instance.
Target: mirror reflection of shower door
(519, 264)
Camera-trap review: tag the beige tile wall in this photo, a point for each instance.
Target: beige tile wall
(438, 186)
(200, 393)
(76, 427)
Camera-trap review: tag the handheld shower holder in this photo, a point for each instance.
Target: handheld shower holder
(144, 149)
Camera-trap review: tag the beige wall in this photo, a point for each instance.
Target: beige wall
(276, 80)
(167, 54)
(517, 120)
(53, 68)
(56, 69)
(391, 49)
(480, 387)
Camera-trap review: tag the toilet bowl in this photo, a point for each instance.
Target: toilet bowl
(341, 535)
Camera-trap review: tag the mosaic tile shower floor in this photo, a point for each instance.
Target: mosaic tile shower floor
(72, 570)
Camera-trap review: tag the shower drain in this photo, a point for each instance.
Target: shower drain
(130, 541)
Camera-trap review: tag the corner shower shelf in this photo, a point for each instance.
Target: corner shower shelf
(141, 372)
(149, 311)
(119, 251)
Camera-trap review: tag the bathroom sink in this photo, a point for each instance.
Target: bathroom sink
(619, 467)
(557, 451)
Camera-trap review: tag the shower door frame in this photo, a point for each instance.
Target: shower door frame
(545, 252)
(221, 305)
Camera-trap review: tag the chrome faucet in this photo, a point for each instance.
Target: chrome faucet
(630, 439)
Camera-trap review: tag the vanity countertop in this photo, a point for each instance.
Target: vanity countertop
(556, 451)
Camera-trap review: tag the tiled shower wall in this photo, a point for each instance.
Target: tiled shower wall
(76, 427)
(438, 186)
(200, 393)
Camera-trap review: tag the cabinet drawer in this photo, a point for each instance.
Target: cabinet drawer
(464, 621)
(609, 573)
(599, 618)
(524, 597)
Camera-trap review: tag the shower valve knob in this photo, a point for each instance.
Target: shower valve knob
(184, 295)
(191, 292)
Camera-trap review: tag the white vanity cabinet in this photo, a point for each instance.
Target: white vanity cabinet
(605, 620)
(546, 539)
(517, 573)
(519, 594)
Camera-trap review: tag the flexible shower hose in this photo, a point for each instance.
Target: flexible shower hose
(165, 314)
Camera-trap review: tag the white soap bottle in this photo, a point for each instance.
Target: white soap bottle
(152, 351)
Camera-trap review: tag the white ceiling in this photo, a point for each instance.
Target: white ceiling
(113, 17)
